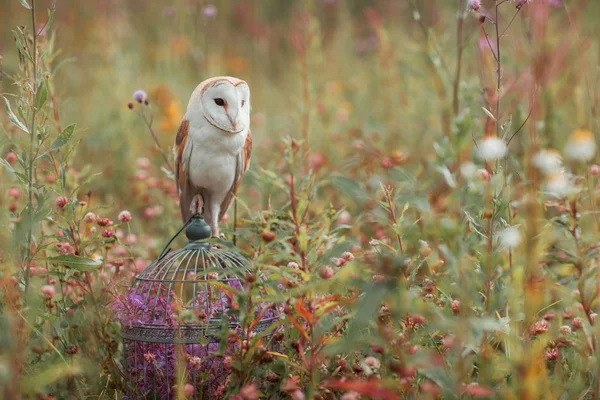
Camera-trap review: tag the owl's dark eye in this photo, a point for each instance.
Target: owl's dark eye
(220, 102)
(243, 102)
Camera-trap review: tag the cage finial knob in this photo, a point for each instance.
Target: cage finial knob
(198, 229)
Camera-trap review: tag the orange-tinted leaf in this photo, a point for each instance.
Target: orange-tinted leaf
(227, 290)
(304, 312)
(298, 326)
(259, 316)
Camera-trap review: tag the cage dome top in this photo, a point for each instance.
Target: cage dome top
(185, 294)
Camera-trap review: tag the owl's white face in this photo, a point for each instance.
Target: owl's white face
(227, 106)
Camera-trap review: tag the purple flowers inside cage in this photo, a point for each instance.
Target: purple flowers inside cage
(172, 318)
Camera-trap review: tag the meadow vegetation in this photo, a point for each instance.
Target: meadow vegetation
(422, 199)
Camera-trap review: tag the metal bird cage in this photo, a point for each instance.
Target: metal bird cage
(173, 316)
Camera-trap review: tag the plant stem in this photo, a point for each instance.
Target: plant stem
(31, 158)
(459, 45)
(158, 146)
(306, 106)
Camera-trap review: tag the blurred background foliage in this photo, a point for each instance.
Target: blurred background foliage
(372, 86)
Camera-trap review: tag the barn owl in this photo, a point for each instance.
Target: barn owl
(212, 148)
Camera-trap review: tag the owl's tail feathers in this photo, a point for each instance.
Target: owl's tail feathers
(191, 201)
(197, 205)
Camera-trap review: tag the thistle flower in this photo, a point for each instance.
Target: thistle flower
(581, 146)
(510, 237)
(547, 161)
(492, 148)
(140, 96)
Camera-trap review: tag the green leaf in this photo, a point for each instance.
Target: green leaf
(63, 138)
(6, 165)
(20, 46)
(348, 186)
(13, 118)
(25, 4)
(81, 264)
(489, 113)
(50, 19)
(41, 95)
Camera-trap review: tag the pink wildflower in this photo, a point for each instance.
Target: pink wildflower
(65, 248)
(326, 272)
(14, 193)
(372, 362)
(90, 218)
(11, 158)
(108, 233)
(455, 306)
(210, 11)
(540, 327)
(551, 354)
(250, 392)
(188, 390)
(387, 162)
(125, 216)
(577, 323)
(48, 291)
(61, 202)
(474, 5)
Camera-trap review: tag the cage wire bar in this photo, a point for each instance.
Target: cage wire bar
(175, 311)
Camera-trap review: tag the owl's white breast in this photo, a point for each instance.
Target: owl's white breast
(213, 159)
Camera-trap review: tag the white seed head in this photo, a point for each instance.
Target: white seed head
(492, 148)
(510, 237)
(581, 146)
(547, 161)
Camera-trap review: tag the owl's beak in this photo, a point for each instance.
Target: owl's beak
(232, 121)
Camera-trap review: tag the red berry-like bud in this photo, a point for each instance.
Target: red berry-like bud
(267, 236)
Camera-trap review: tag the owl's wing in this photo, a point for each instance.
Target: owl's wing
(242, 165)
(182, 150)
